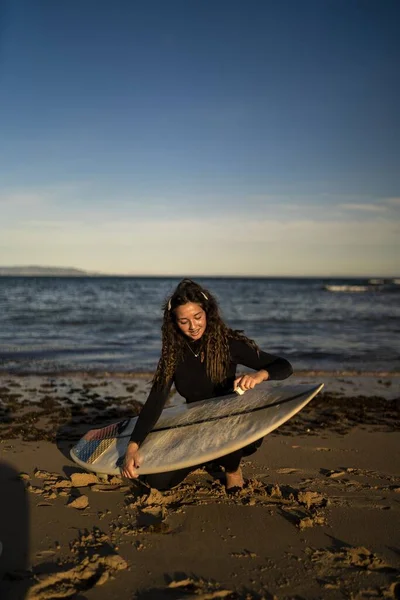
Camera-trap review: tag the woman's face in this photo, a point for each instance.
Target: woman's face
(191, 320)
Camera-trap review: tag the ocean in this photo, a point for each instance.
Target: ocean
(112, 324)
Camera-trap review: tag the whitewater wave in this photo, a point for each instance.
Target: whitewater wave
(347, 288)
(372, 286)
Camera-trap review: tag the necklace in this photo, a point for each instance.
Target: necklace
(195, 354)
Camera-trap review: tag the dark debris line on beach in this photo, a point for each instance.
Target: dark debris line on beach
(50, 417)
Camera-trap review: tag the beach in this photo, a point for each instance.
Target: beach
(206, 196)
(319, 516)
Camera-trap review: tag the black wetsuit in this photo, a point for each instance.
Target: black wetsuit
(191, 381)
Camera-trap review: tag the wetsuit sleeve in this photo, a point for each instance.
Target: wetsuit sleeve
(243, 354)
(150, 412)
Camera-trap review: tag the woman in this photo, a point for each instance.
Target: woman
(200, 355)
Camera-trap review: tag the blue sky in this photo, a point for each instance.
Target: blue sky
(201, 136)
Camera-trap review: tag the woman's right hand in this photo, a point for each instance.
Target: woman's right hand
(131, 462)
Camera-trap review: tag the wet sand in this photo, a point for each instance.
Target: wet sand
(319, 516)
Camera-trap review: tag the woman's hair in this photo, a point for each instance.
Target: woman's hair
(215, 339)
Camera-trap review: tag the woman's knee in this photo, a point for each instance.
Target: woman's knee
(165, 481)
(253, 447)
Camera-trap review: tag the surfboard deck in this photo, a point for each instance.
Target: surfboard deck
(193, 434)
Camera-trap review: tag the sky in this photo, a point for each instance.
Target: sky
(201, 137)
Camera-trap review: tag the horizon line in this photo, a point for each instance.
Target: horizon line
(81, 273)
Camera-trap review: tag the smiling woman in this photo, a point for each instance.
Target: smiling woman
(199, 355)
(191, 320)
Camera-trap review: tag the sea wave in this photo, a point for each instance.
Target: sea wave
(372, 286)
(347, 288)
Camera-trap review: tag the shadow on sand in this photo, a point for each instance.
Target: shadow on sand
(15, 576)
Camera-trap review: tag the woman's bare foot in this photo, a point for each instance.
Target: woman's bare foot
(234, 480)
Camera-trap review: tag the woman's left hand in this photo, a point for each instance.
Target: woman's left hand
(250, 380)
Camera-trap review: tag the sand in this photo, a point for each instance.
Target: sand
(319, 516)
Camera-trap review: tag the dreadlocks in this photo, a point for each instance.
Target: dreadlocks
(215, 338)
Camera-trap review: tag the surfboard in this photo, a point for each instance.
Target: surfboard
(196, 433)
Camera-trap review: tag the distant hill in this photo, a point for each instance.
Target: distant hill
(32, 271)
